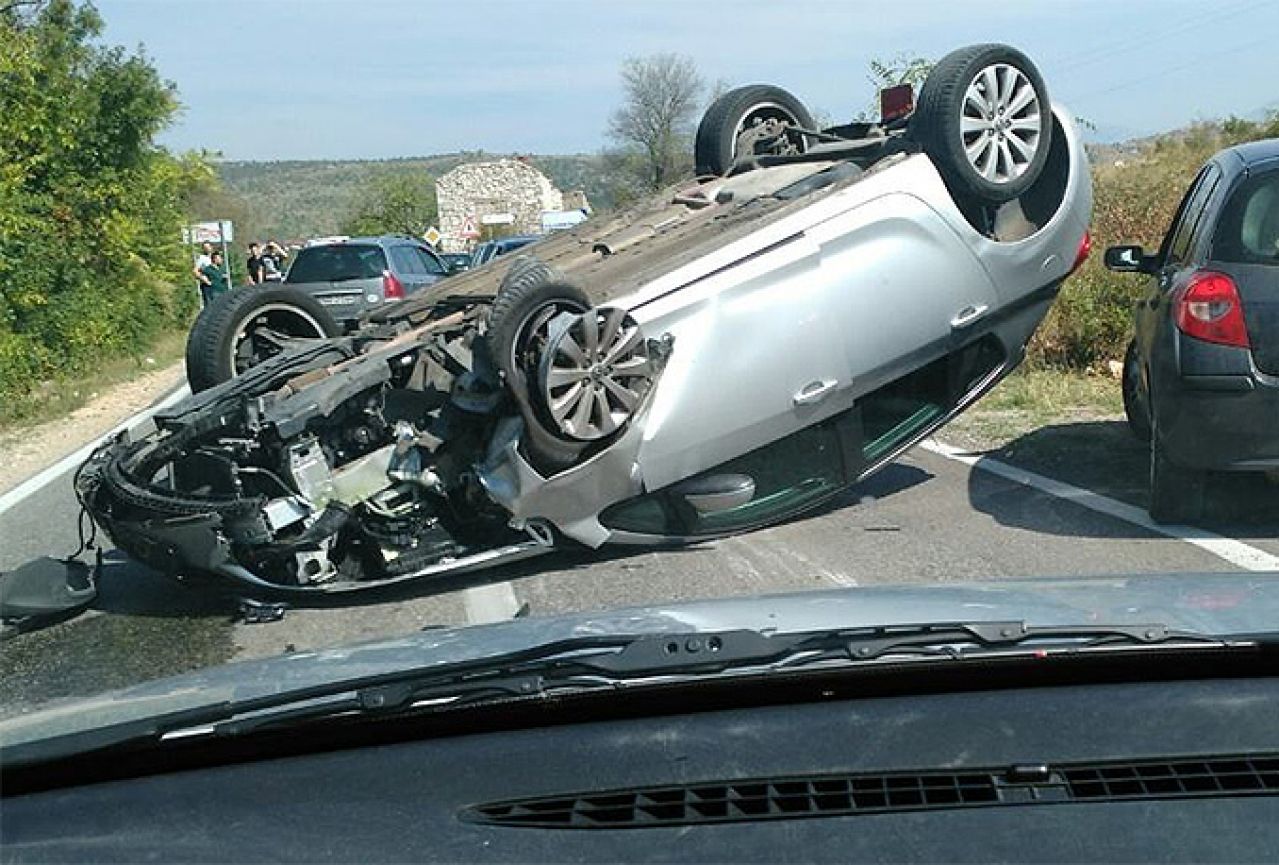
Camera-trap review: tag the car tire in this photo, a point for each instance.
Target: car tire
(531, 294)
(221, 342)
(954, 116)
(715, 147)
(1136, 406)
(1176, 492)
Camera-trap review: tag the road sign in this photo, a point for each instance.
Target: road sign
(468, 228)
(209, 232)
(497, 219)
(432, 236)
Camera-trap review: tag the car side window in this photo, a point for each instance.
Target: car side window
(1248, 230)
(405, 260)
(1178, 249)
(430, 264)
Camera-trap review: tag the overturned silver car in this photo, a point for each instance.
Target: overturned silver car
(731, 353)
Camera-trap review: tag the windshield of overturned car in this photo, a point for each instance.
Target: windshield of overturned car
(297, 354)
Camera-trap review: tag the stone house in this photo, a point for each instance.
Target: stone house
(509, 194)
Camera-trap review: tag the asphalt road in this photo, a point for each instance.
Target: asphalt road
(1063, 500)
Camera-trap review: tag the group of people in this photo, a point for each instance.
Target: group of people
(263, 264)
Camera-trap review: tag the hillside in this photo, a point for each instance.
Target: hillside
(291, 200)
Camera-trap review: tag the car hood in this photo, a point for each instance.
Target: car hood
(1219, 604)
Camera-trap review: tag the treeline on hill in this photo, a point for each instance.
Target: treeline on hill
(1137, 189)
(91, 263)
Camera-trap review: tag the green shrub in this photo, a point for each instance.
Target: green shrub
(90, 207)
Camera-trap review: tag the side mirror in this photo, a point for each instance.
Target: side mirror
(1129, 259)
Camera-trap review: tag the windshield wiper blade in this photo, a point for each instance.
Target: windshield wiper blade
(616, 661)
(674, 653)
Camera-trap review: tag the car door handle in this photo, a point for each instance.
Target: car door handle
(968, 315)
(815, 391)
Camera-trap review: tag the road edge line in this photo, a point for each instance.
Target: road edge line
(44, 477)
(1235, 552)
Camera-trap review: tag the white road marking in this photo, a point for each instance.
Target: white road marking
(1235, 552)
(38, 481)
(492, 602)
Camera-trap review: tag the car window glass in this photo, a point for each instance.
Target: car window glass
(337, 263)
(1248, 231)
(1179, 249)
(405, 261)
(1178, 219)
(429, 263)
(1202, 214)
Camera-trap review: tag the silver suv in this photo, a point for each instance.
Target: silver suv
(353, 276)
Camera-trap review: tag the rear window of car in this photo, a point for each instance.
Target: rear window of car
(430, 264)
(337, 263)
(1248, 231)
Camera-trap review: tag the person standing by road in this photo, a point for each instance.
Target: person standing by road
(254, 265)
(216, 282)
(273, 262)
(201, 262)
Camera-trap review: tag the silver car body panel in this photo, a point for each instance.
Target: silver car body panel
(791, 324)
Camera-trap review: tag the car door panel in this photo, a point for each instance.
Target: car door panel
(750, 342)
(908, 290)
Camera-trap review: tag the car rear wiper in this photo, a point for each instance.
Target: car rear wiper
(614, 662)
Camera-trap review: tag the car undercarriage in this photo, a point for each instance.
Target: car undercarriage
(350, 463)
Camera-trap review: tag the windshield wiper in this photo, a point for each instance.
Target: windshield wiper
(610, 663)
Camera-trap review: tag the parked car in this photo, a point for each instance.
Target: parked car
(456, 262)
(486, 252)
(326, 290)
(733, 352)
(1201, 376)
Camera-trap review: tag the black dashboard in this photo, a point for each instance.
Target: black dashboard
(1184, 770)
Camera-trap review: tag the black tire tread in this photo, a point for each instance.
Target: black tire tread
(527, 284)
(208, 344)
(713, 146)
(935, 124)
(1135, 410)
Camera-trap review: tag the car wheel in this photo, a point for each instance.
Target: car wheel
(1176, 492)
(595, 373)
(752, 119)
(530, 297)
(246, 326)
(984, 119)
(1136, 407)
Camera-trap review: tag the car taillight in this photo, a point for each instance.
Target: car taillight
(1085, 247)
(1208, 308)
(392, 288)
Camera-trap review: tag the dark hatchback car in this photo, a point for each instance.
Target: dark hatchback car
(1201, 377)
(486, 252)
(353, 276)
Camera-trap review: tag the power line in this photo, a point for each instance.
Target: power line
(1097, 53)
(1267, 40)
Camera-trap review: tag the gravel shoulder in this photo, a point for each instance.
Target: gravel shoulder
(29, 449)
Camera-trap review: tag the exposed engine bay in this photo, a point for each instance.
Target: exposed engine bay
(356, 461)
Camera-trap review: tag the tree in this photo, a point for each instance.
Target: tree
(395, 203)
(655, 122)
(91, 261)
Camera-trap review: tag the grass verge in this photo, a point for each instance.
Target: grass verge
(1033, 398)
(59, 397)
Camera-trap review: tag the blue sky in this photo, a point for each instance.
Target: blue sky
(313, 79)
